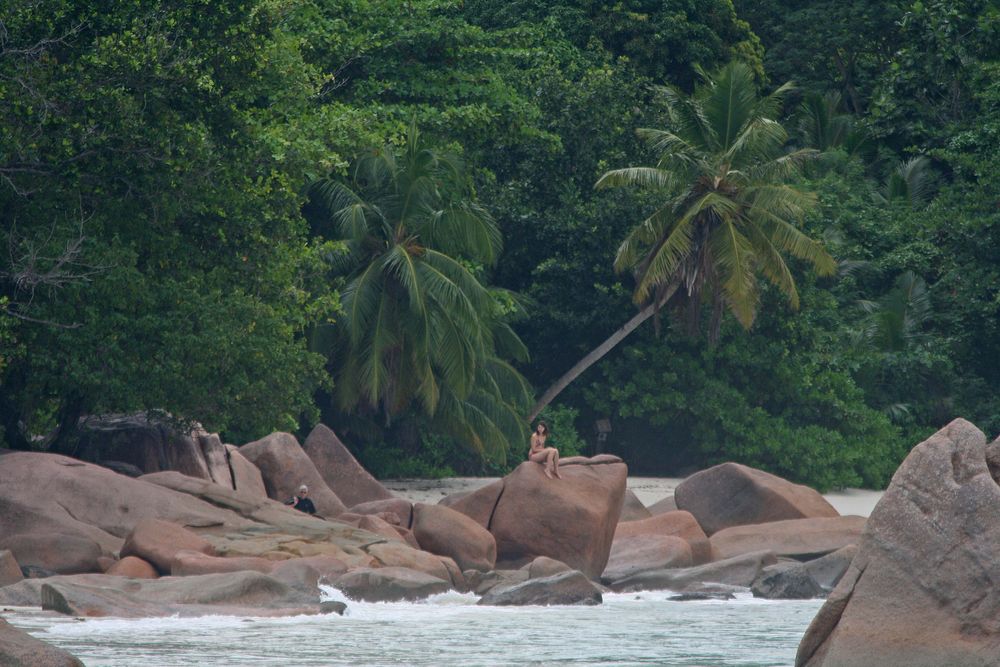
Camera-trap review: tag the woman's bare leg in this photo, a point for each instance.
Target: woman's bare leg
(555, 463)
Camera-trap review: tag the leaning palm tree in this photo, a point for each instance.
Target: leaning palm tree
(727, 212)
(418, 327)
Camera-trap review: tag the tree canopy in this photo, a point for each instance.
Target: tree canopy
(202, 215)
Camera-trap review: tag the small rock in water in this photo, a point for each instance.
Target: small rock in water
(687, 597)
(332, 607)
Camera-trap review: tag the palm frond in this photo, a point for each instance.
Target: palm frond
(637, 176)
(734, 257)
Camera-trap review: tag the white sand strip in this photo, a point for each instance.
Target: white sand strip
(648, 489)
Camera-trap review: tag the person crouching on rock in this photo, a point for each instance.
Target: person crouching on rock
(301, 502)
(547, 456)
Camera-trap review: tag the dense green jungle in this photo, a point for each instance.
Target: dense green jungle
(408, 220)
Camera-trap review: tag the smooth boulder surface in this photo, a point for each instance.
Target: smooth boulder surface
(145, 441)
(738, 571)
(632, 508)
(134, 567)
(403, 509)
(247, 479)
(10, 570)
(235, 593)
(19, 649)
(565, 588)
(340, 470)
(57, 552)
(798, 538)
(214, 454)
(571, 519)
(443, 531)
(478, 505)
(676, 524)
(631, 555)
(924, 587)
(668, 504)
(157, 542)
(481, 582)
(731, 494)
(802, 581)
(45, 494)
(285, 467)
(389, 584)
(545, 567)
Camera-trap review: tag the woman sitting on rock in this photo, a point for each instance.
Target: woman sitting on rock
(549, 456)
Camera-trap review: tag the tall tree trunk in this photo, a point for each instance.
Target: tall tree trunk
(598, 352)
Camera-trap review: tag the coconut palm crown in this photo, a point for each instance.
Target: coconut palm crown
(418, 327)
(727, 211)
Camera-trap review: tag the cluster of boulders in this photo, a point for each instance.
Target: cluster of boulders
(212, 535)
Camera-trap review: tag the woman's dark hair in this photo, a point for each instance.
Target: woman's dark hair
(545, 427)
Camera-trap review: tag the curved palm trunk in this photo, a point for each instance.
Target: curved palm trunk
(598, 352)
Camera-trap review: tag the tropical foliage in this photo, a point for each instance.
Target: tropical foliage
(196, 219)
(417, 325)
(727, 211)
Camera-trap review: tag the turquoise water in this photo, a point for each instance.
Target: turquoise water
(449, 629)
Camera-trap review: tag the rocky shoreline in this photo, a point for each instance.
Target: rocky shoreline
(207, 533)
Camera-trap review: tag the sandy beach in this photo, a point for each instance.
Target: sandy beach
(649, 490)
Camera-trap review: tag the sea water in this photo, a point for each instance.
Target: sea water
(450, 629)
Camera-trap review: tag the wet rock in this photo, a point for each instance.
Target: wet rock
(332, 607)
(19, 649)
(482, 582)
(801, 581)
(566, 588)
(545, 567)
(737, 571)
(236, 593)
(690, 597)
(389, 584)
(731, 494)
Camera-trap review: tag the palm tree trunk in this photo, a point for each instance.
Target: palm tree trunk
(598, 352)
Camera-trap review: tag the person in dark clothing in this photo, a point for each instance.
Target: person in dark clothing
(301, 502)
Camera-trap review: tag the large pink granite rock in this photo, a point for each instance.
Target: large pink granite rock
(159, 541)
(285, 467)
(443, 531)
(731, 494)
(924, 587)
(340, 470)
(571, 519)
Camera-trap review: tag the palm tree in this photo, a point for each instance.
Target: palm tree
(910, 183)
(727, 212)
(418, 327)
